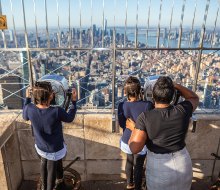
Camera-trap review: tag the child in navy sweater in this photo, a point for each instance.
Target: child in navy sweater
(46, 122)
(131, 109)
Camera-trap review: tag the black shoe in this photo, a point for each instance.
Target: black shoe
(63, 186)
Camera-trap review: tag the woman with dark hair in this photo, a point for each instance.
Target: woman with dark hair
(132, 108)
(46, 122)
(163, 130)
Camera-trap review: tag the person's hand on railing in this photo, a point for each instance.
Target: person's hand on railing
(130, 124)
(28, 92)
(74, 95)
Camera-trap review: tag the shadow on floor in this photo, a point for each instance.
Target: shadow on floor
(87, 185)
(111, 185)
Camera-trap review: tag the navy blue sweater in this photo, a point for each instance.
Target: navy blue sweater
(131, 110)
(47, 124)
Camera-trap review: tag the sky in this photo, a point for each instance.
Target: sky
(112, 8)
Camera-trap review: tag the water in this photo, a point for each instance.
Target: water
(152, 41)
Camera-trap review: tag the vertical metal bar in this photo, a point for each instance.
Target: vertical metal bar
(80, 24)
(215, 26)
(13, 20)
(70, 36)
(204, 23)
(136, 28)
(92, 35)
(58, 23)
(126, 16)
(180, 37)
(114, 30)
(103, 21)
(35, 18)
(158, 29)
(206, 12)
(181, 24)
(191, 33)
(48, 36)
(31, 80)
(2, 31)
(171, 19)
(199, 62)
(114, 12)
(113, 84)
(148, 23)
(27, 47)
(25, 28)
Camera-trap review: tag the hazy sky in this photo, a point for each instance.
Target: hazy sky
(111, 8)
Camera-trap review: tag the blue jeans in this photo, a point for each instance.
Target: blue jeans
(171, 171)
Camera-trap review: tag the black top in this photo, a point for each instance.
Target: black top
(131, 110)
(166, 128)
(47, 124)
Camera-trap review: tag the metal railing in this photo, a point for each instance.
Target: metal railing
(67, 49)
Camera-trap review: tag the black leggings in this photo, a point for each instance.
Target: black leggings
(134, 169)
(50, 171)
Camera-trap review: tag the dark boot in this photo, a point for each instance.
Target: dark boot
(61, 185)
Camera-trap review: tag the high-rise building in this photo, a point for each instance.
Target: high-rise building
(165, 33)
(25, 70)
(10, 92)
(94, 30)
(11, 35)
(207, 93)
(105, 27)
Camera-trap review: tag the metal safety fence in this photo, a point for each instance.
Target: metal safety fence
(103, 42)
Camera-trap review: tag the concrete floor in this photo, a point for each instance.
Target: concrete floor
(112, 185)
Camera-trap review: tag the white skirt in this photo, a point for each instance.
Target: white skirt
(126, 149)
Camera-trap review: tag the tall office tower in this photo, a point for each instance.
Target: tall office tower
(25, 70)
(84, 82)
(43, 67)
(165, 33)
(207, 93)
(62, 35)
(105, 27)
(94, 30)
(96, 98)
(111, 33)
(74, 33)
(11, 35)
(10, 91)
(77, 34)
(78, 89)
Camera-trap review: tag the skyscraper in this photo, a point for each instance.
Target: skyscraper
(207, 93)
(11, 93)
(11, 35)
(105, 27)
(94, 30)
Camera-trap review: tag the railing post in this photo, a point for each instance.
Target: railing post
(158, 38)
(113, 84)
(3, 33)
(31, 82)
(199, 60)
(180, 37)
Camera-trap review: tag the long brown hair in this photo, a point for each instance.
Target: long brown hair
(41, 92)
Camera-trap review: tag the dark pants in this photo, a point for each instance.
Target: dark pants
(50, 171)
(134, 169)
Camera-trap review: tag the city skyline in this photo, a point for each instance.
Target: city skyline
(114, 12)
